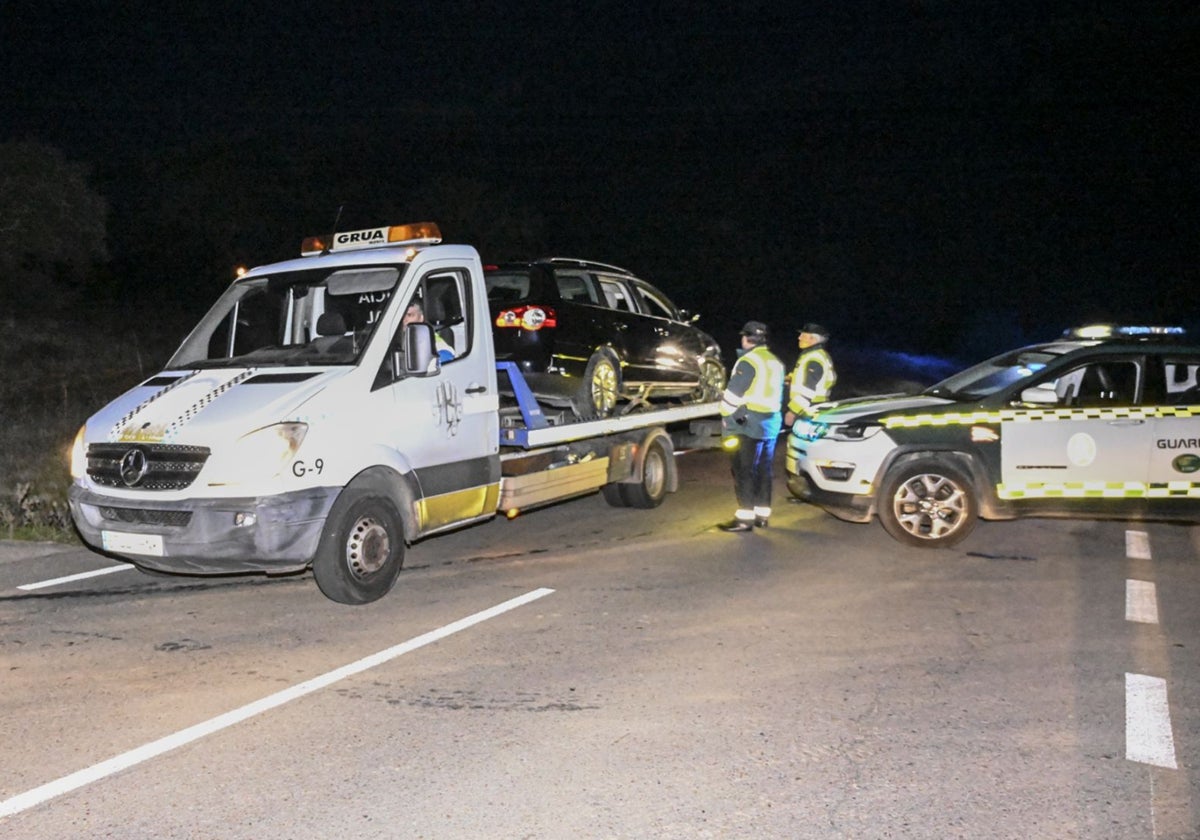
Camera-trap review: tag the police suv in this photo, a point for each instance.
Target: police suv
(1103, 423)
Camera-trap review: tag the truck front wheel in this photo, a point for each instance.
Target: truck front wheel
(361, 550)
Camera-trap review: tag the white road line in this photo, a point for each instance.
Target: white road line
(1141, 602)
(1148, 722)
(42, 584)
(1137, 545)
(126, 760)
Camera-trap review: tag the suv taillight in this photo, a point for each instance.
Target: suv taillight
(531, 318)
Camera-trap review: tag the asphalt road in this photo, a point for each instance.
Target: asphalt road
(620, 673)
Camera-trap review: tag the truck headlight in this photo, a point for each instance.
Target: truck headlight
(260, 454)
(78, 455)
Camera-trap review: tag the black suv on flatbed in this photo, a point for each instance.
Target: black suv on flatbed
(586, 335)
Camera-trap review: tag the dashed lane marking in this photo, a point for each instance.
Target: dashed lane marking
(1141, 602)
(1137, 545)
(1148, 722)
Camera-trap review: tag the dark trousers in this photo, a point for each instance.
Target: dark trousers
(753, 472)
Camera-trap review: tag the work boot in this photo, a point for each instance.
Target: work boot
(760, 522)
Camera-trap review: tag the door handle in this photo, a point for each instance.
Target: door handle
(477, 389)
(1127, 421)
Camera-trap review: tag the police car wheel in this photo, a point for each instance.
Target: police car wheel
(361, 551)
(927, 504)
(597, 394)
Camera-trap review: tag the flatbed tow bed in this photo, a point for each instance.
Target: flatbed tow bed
(629, 457)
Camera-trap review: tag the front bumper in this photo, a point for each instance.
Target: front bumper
(849, 506)
(278, 534)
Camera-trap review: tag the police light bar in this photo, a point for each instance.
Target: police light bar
(1094, 331)
(417, 233)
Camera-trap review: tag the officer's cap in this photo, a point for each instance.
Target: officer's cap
(756, 330)
(815, 329)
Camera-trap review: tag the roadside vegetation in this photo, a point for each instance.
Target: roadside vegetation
(57, 371)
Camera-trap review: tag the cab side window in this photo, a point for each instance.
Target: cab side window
(444, 297)
(1182, 381)
(1099, 384)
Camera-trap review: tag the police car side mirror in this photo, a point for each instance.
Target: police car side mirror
(1040, 395)
(688, 317)
(417, 358)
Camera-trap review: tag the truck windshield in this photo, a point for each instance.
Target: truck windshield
(313, 317)
(996, 374)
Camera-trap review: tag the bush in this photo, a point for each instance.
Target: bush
(57, 373)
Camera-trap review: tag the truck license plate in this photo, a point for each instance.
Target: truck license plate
(121, 542)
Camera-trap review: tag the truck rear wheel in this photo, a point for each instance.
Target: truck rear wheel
(614, 495)
(652, 489)
(362, 549)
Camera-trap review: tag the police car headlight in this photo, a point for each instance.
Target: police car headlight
(261, 454)
(853, 431)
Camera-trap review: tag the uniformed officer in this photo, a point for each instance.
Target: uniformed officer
(750, 421)
(813, 377)
(415, 314)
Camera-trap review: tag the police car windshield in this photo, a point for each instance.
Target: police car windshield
(313, 317)
(992, 376)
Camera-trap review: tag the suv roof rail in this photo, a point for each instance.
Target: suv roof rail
(585, 264)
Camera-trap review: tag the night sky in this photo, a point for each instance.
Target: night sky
(950, 177)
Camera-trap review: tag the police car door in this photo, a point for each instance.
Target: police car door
(446, 424)
(1087, 437)
(1175, 456)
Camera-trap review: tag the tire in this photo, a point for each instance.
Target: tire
(597, 394)
(361, 550)
(712, 381)
(613, 495)
(652, 489)
(928, 504)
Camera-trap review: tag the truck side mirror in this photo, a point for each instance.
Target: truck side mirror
(417, 358)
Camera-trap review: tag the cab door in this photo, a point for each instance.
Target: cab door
(1094, 442)
(446, 422)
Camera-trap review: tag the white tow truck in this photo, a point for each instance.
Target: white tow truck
(306, 421)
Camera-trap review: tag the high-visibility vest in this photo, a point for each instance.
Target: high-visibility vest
(765, 394)
(802, 396)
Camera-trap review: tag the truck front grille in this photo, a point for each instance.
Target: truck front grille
(145, 466)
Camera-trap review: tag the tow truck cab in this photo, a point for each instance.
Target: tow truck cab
(307, 420)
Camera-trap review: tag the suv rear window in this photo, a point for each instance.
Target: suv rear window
(507, 286)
